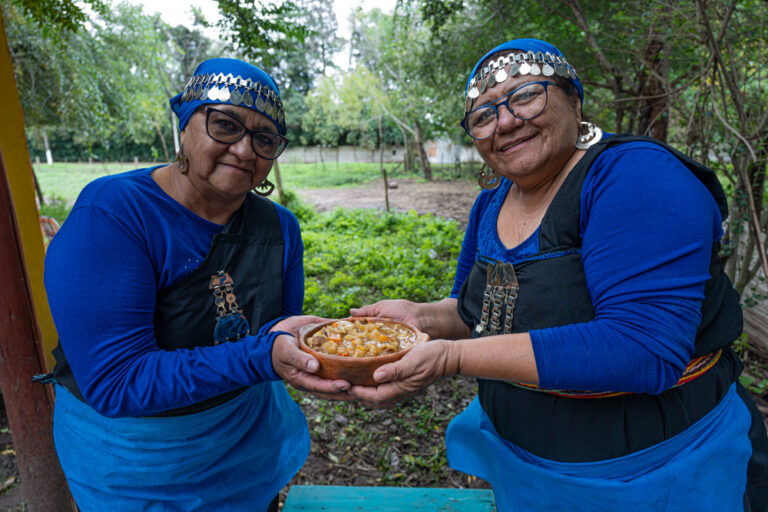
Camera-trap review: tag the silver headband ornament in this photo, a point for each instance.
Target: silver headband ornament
(524, 63)
(215, 87)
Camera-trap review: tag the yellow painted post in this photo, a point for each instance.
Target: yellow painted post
(18, 165)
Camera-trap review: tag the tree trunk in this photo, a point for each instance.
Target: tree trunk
(425, 167)
(48, 155)
(407, 157)
(38, 190)
(162, 141)
(175, 129)
(280, 191)
(652, 106)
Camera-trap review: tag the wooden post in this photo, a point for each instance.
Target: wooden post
(18, 168)
(28, 405)
(381, 162)
(28, 333)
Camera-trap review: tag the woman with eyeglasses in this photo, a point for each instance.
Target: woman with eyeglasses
(176, 292)
(591, 304)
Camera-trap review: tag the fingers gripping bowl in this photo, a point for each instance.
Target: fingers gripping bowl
(352, 348)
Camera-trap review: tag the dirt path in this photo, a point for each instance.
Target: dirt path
(451, 199)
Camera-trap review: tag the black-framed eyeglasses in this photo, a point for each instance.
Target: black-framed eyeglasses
(227, 129)
(525, 102)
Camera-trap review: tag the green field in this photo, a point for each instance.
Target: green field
(66, 180)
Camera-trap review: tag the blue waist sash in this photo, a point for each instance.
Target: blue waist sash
(702, 468)
(232, 457)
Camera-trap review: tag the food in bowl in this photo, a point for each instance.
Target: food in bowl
(361, 337)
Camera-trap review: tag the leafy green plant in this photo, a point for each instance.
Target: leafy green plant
(756, 385)
(355, 257)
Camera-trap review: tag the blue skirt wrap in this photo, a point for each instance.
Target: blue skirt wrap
(702, 468)
(233, 457)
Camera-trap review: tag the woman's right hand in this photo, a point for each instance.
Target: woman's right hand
(293, 324)
(297, 368)
(397, 309)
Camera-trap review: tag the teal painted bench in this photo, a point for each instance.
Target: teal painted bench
(332, 498)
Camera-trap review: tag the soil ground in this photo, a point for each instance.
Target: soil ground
(452, 199)
(352, 445)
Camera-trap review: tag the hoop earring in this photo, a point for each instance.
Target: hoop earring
(589, 135)
(264, 188)
(488, 180)
(182, 162)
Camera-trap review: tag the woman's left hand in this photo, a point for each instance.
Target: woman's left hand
(297, 367)
(420, 367)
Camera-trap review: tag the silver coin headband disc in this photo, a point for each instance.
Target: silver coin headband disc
(215, 87)
(523, 63)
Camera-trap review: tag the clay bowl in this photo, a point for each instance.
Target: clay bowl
(355, 370)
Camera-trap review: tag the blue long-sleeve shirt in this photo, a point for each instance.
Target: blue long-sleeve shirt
(647, 226)
(124, 240)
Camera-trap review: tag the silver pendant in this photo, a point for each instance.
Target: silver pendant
(473, 93)
(235, 97)
(247, 99)
(501, 75)
(501, 290)
(525, 68)
(548, 70)
(223, 94)
(535, 69)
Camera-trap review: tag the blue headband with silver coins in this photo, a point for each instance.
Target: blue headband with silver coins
(234, 82)
(535, 57)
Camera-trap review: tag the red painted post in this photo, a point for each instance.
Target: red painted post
(28, 405)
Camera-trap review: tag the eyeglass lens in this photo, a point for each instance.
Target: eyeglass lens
(226, 129)
(525, 102)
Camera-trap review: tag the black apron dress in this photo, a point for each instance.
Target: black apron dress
(552, 291)
(234, 291)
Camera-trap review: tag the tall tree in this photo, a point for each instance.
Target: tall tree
(109, 81)
(296, 45)
(395, 48)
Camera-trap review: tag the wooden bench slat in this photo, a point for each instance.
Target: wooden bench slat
(330, 498)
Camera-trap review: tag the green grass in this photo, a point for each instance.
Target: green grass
(331, 174)
(66, 180)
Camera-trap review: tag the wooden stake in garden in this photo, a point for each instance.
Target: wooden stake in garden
(381, 162)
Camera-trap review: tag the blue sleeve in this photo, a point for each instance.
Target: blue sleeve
(469, 245)
(293, 268)
(647, 230)
(102, 290)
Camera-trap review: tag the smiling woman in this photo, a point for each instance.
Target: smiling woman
(199, 283)
(592, 306)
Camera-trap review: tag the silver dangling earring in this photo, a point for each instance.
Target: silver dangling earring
(264, 188)
(182, 162)
(488, 180)
(589, 135)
